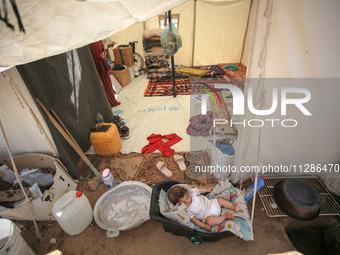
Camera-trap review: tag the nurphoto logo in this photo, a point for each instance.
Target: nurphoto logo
(239, 105)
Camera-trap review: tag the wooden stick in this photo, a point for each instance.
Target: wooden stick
(37, 232)
(69, 140)
(64, 127)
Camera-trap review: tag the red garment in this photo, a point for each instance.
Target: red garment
(98, 54)
(155, 142)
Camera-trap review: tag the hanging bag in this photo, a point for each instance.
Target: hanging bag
(171, 40)
(220, 161)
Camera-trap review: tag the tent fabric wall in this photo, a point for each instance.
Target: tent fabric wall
(69, 85)
(20, 116)
(295, 40)
(219, 32)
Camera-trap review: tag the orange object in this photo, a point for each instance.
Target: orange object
(106, 143)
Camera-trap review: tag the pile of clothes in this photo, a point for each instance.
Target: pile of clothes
(156, 58)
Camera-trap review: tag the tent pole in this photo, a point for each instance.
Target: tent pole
(246, 32)
(172, 61)
(194, 35)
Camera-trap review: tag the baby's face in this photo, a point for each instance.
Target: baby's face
(186, 200)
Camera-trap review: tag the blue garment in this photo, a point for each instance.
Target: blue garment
(226, 148)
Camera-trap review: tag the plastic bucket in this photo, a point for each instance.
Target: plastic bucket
(11, 242)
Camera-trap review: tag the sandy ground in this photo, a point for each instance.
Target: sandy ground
(150, 238)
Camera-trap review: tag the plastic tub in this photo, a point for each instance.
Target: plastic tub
(123, 207)
(73, 212)
(11, 242)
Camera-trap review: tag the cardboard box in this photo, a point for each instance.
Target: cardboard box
(127, 56)
(42, 206)
(122, 76)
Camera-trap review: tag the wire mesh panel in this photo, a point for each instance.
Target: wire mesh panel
(328, 204)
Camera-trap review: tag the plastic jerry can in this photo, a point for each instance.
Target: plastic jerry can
(106, 143)
(73, 212)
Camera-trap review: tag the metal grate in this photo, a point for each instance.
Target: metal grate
(328, 204)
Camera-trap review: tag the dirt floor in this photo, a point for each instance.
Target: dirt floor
(150, 238)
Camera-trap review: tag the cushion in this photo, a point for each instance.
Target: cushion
(192, 72)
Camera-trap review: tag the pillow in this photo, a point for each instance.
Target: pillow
(177, 213)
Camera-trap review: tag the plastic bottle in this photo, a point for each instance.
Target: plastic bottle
(99, 118)
(249, 192)
(108, 179)
(73, 212)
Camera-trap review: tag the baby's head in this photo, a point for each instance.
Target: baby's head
(179, 194)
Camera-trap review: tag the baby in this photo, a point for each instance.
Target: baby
(203, 212)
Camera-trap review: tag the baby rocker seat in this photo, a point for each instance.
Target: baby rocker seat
(175, 228)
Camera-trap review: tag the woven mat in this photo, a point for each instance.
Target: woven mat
(184, 86)
(148, 173)
(238, 77)
(164, 87)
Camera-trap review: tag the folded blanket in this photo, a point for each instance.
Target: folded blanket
(149, 33)
(149, 43)
(193, 72)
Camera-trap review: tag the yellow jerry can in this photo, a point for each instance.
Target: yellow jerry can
(106, 140)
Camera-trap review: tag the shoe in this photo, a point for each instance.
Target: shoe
(162, 167)
(180, 162)
(118, 121)
(124, 132)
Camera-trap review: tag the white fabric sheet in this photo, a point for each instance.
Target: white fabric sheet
(294, 39)
(159, 115)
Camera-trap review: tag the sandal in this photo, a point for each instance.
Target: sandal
(180, 162)
(162, 167)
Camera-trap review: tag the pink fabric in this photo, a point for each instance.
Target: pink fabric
(200, 124)
(149, 33)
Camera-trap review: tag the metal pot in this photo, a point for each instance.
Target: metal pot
(298, 199)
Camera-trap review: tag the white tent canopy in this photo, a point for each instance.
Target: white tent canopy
(294, 40)
(54, 27)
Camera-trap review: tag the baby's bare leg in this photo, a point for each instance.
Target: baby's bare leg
(216, 220)
(229, 205)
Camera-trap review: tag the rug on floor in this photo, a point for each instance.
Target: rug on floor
(194, 175)
(184, 86)
(164, 87)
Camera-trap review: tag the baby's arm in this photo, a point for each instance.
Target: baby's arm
(200, 224)
(203, 190)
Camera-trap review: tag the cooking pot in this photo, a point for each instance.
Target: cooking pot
(297, 198)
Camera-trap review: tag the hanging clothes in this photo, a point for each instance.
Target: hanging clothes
(98, 53)
(156, 143)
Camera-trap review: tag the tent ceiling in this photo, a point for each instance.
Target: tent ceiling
(54, 27)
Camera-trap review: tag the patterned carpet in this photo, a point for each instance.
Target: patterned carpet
(184, 86)
(148, 173)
